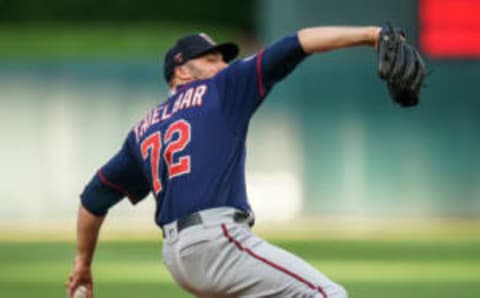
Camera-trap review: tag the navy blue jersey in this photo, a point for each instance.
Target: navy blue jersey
(190, 150)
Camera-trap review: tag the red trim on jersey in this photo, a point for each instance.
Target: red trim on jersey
(261, 87)
(270, 263)
(116, 187)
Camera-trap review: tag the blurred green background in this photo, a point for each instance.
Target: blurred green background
(384, 200)
(368, 268)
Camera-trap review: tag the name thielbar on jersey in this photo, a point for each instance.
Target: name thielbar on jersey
(190, 98)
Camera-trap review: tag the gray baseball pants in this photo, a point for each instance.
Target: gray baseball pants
(221, 257)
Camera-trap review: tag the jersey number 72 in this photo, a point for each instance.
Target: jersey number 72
(152, 146)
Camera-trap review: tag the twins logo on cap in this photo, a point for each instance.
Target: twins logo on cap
(178, 58)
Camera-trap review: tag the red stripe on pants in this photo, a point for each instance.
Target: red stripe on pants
(270, 263)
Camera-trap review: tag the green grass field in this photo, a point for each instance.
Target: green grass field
(438, 268)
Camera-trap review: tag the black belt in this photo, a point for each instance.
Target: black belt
(194, 219)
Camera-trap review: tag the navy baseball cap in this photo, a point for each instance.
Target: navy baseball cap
(193, 46)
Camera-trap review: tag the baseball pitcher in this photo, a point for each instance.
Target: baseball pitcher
(189, 152)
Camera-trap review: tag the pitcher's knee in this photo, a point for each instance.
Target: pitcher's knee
(337, 292)
(332, 290)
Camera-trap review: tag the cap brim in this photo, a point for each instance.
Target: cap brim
(229, 51)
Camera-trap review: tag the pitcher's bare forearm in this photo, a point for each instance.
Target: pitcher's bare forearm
(322, 39)
(88, 227)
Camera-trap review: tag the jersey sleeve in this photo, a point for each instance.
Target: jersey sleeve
(244, 84)
(120, 177)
